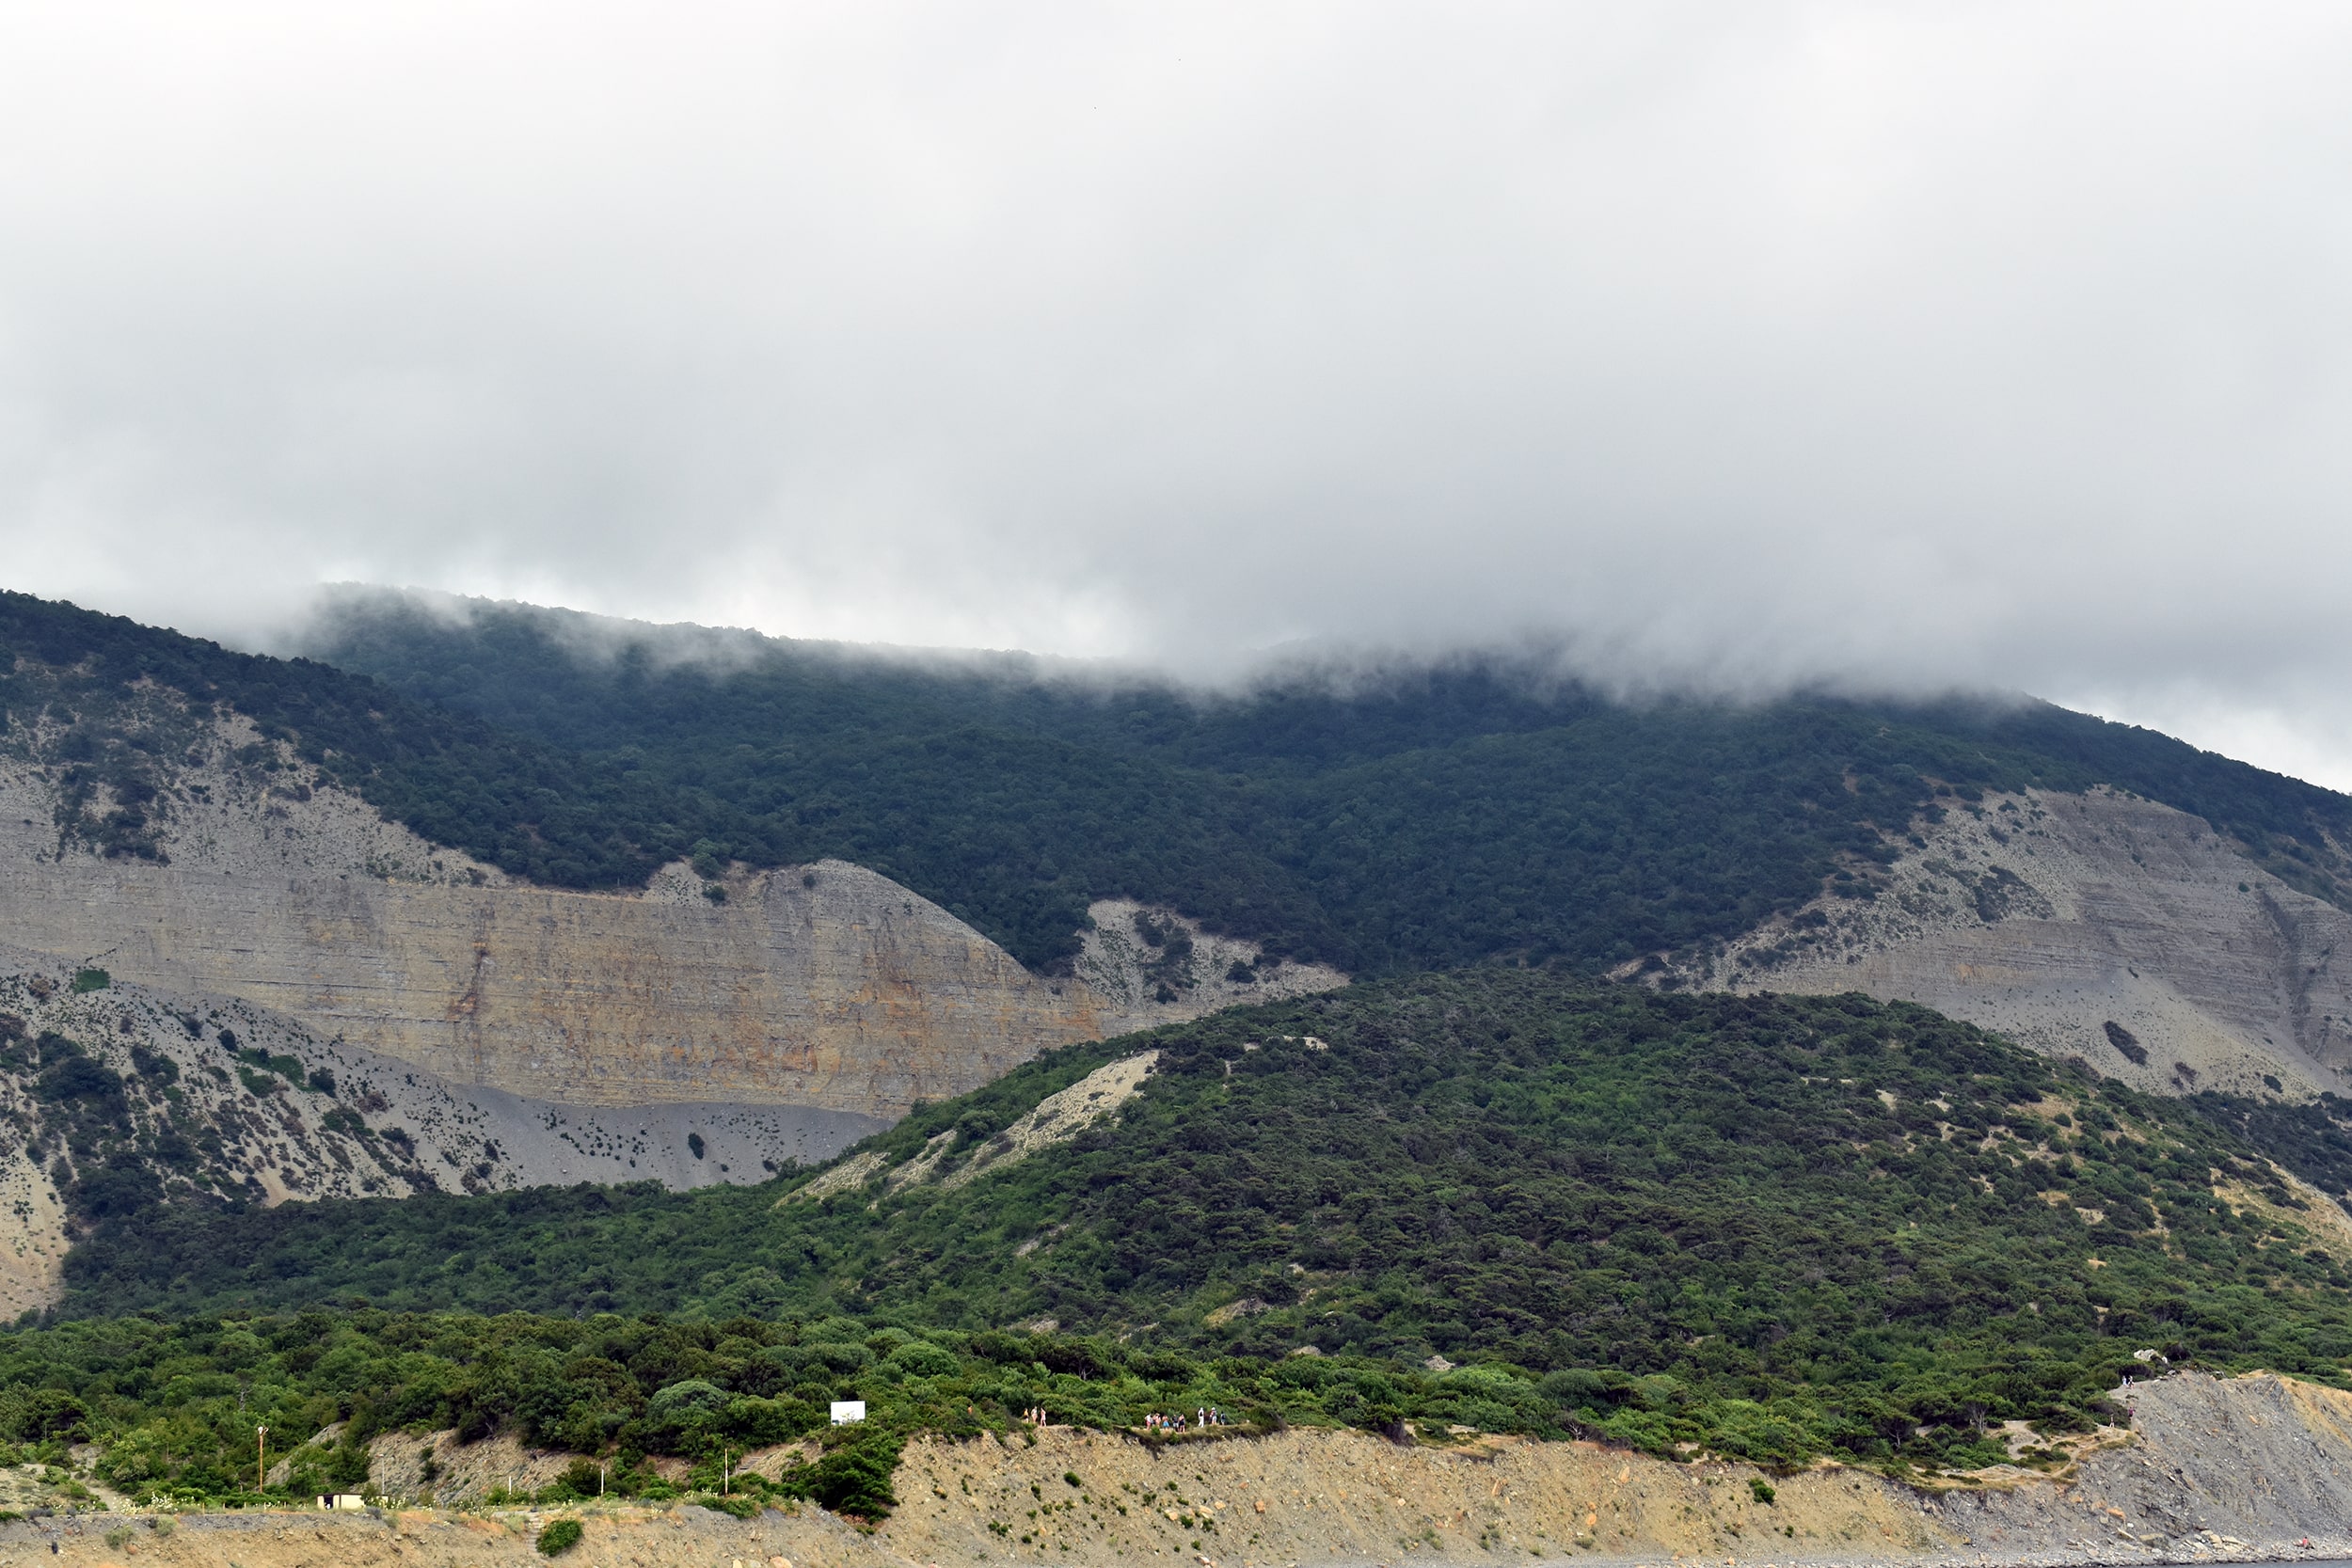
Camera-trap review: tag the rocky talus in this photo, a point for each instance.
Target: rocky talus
(2098, 925)
(114, 1094)
(824, 986)
(2250, 1469)
(2244, 1466)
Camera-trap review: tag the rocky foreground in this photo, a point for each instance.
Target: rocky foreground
(2252, 1468)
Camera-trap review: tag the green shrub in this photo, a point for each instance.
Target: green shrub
(91, 979)
(559, 1536)
(921, 1359)
(581, 1478)
(760, 1422)
(852, 1479)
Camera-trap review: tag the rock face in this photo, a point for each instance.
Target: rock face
(1151, 965)
(2098, 925)
(2245, 1467)
(825, 986)
(212, 1099)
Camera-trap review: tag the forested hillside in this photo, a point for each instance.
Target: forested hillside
(532, 809)
(1432, 818)
(1426, 818)
(1501, 1193)
(1769, 1225)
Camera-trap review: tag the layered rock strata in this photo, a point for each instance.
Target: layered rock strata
(825, 986)
(212, 1098)
(2098, 926)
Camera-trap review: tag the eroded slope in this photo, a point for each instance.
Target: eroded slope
(195, 855)
(118, 1096)
(2098, 925)
(2239, 1470)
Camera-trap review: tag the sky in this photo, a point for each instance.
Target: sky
(1727, 347)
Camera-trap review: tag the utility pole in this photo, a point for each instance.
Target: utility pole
(602, 1470)
(261, 1459)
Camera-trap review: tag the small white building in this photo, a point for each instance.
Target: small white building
(349, 1502)
(847, 1411)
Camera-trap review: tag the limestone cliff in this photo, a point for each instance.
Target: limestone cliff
(2098, 925)
(236, 872)
(114, 1095)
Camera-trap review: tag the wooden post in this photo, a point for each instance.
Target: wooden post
(261, 1459)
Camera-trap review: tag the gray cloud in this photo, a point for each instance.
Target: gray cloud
(1730, 345)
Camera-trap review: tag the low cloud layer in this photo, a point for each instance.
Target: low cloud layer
(1734, 345)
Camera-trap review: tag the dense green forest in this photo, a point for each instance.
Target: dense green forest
(175, 1406)
(2312, 1138)
(1422, 817)
(67, 675)
(1776, 1226)
(1427, 818)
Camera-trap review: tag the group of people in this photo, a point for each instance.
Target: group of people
(1207, 1416)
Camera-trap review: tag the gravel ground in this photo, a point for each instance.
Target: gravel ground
(2252, 1469)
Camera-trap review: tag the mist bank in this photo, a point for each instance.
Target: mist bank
(348, 622)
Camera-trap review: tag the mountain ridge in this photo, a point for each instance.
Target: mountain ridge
(1442, 815)
(1504, 1194)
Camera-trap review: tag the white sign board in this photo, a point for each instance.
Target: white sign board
(845, 1411)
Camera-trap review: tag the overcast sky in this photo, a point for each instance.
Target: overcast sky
(1736, 345)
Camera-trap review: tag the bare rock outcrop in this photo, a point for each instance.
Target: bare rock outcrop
(2245, 1467)
(2242, 1469)
(2098, 926)
(177, 1098)
(1151, 965)
(824, 986)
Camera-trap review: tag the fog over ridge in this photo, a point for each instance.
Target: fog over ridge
(1541, 667)
(1738, 349)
